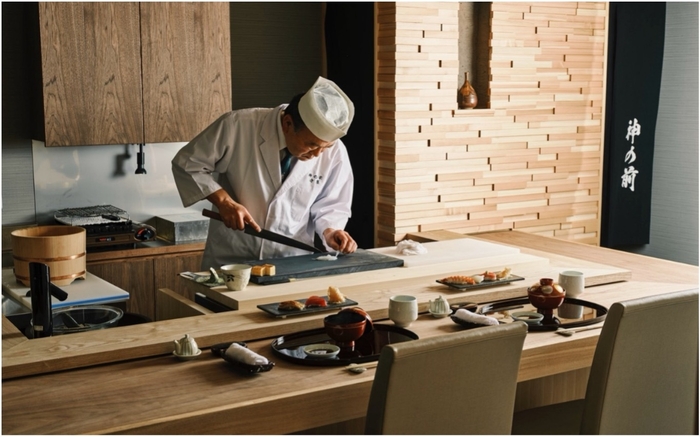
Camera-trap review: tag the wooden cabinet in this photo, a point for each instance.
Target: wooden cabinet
(143, 271)
(133, 276)
(118, 73)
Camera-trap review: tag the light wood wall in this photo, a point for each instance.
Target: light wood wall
(532, 161)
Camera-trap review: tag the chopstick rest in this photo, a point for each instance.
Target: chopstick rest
(244, 355)
(471, 317)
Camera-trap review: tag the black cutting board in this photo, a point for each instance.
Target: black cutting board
(307, 266)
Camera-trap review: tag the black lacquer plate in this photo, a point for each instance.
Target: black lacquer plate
(220, 351)
(592, 313)
(366, 349)
(271, 308)
(482, 284)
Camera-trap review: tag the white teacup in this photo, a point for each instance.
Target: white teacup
(236, 276)
(574, 283)
(403, 310)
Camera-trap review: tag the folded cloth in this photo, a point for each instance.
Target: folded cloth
(471, 317)
(410, 247)
(244, 355)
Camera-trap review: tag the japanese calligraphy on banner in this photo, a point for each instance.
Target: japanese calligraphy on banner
(636, 41)
(630, 173)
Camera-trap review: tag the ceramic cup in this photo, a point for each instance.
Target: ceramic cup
(403, 310)
(236, 276)
(573, 282)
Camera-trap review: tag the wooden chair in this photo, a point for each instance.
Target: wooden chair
(461, 383)
(644, 375)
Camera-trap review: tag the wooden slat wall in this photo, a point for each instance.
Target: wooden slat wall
(532, 161)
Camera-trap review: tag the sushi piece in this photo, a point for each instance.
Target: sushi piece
(335, 296)
(315, 301)
(290, 305)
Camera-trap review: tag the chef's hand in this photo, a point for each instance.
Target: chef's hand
(233, 214)
(340, 240)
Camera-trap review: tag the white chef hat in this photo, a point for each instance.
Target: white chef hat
(326, 110)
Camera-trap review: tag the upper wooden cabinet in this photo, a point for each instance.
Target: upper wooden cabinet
(117, 73)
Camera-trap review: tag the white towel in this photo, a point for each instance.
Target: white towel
(244, 355)
(410, 247)
(471, 317)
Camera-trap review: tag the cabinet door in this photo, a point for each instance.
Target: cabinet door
(168, 269)
(186, 67)
(136, 277)
(91, 73)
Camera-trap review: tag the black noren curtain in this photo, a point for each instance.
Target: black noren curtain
(635, 59)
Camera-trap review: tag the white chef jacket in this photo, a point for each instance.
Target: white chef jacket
(240, 152)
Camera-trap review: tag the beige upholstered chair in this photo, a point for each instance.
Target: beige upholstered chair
(644, 375)
(461, 383)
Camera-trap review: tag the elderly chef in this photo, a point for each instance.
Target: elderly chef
(283, 169)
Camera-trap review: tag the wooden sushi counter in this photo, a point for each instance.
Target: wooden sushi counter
(126, 381)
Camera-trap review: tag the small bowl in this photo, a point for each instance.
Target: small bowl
(370, 325)
(544, 302)
(321, 350)
(529, 317)
(345, 327)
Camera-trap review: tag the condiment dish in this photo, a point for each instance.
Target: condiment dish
(188, 357)
(321, 350)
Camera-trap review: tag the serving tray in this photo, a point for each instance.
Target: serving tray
(367, 348)
(482, 284)
(271, 308)
(592, 313)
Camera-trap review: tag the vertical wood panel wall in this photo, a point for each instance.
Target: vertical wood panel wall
(530, 162)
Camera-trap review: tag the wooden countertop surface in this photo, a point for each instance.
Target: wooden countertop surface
(160, 394)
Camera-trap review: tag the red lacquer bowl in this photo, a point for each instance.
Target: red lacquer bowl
(546, 297)
(345, 327)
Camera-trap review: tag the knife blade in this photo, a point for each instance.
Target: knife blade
(267, 235)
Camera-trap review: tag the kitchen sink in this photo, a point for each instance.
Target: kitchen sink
(78, 319)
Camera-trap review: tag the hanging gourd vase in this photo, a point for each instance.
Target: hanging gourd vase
(466, 96)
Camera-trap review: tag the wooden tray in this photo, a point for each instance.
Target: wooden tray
(367, 348)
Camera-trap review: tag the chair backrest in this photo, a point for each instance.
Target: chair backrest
(461, 383)
(644, 376)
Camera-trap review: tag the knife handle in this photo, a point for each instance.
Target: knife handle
(216, 216)
(211, 214)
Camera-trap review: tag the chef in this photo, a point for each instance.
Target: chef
(284, 169)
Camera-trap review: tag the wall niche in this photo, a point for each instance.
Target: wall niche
(474, 34)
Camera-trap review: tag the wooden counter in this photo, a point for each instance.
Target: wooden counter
(160, 394)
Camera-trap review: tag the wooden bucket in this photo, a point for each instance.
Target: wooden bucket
(62, 248)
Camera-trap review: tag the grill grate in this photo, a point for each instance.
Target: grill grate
(92, 215)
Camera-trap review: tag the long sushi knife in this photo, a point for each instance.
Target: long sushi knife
(267, 235)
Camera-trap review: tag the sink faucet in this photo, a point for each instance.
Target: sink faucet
(41, 290)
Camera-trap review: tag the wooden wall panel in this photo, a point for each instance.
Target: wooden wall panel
(531, 161)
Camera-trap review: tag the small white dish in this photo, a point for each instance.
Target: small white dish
(322, 350)
(529, 317)
(440, 315)
(188, 357)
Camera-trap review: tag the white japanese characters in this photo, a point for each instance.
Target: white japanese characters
(630, 173)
